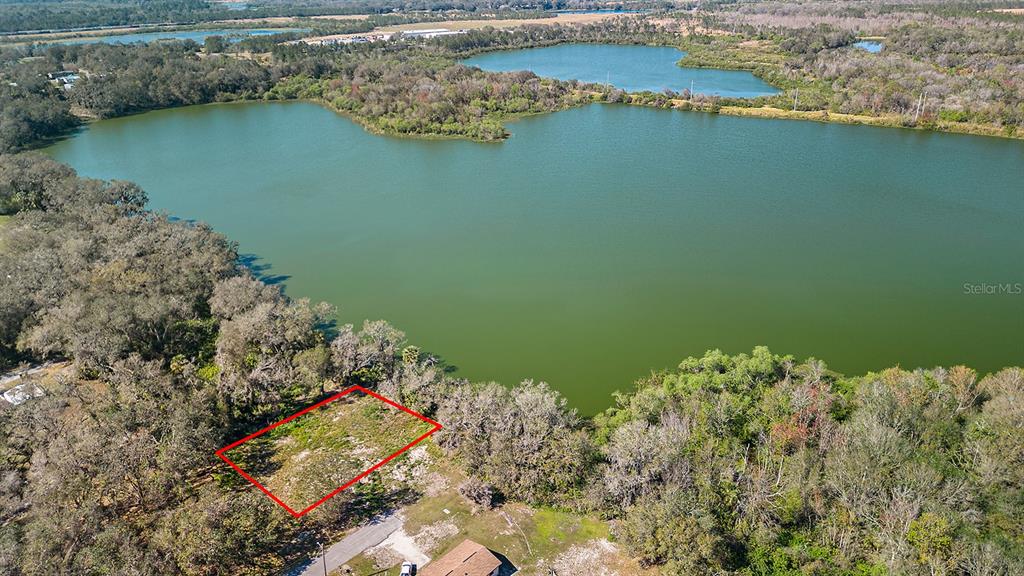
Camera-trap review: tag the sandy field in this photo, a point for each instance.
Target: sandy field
(343, 17)
(472, 24)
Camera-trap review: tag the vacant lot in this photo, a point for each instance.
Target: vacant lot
(307, 458)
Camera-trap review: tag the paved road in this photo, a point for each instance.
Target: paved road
(341, 552)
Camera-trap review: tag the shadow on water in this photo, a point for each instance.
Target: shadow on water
(438, 361)
(68, 134)
(261, 270)
(329, 328)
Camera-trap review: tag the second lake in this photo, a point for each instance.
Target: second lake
(631, 68)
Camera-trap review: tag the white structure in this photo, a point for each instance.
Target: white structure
(23, 392)
(430, 33)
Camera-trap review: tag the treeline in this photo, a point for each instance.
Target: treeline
(115, 80)
(747, 464)
(29, 15)
(121, 80)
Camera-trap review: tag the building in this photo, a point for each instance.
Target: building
(65, 78)
(23, 392)
(466, 559)
(430, 33)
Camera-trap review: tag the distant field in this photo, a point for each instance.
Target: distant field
(507, 23)
(476, 24)
(343, 17)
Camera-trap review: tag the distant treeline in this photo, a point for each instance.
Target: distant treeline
(51, 15)
(753, 464)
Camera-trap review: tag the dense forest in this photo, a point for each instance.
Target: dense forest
(746, 464)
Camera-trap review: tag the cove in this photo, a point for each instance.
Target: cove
(603, 242)
(631, 68)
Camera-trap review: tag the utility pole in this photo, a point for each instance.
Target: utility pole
(796, 98)
(323, 557)
(920, 105)
(691, 89)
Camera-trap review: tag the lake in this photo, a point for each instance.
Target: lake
(230, 34)
(602, 242)
(631, 68)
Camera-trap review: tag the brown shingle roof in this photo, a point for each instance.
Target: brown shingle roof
(466, 559)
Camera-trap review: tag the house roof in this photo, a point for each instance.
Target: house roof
(466, 559)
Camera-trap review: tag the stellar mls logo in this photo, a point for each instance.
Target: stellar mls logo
(984, 288)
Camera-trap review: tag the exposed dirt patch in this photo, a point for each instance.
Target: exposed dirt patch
(432, 535)
(595, 558)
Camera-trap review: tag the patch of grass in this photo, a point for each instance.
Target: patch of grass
(4, 219)
(556, 525)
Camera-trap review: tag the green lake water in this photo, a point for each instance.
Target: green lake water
(631, 68)
(602, 242)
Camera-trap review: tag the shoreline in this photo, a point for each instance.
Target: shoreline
(764, 112)
(892, 121)
(826, 117)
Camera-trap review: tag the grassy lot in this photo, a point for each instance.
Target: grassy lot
(307, 458)
(4, 219)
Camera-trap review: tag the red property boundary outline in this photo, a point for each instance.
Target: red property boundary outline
(221, 453)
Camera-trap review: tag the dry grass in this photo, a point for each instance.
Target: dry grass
(472, 25)
(343, 17)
